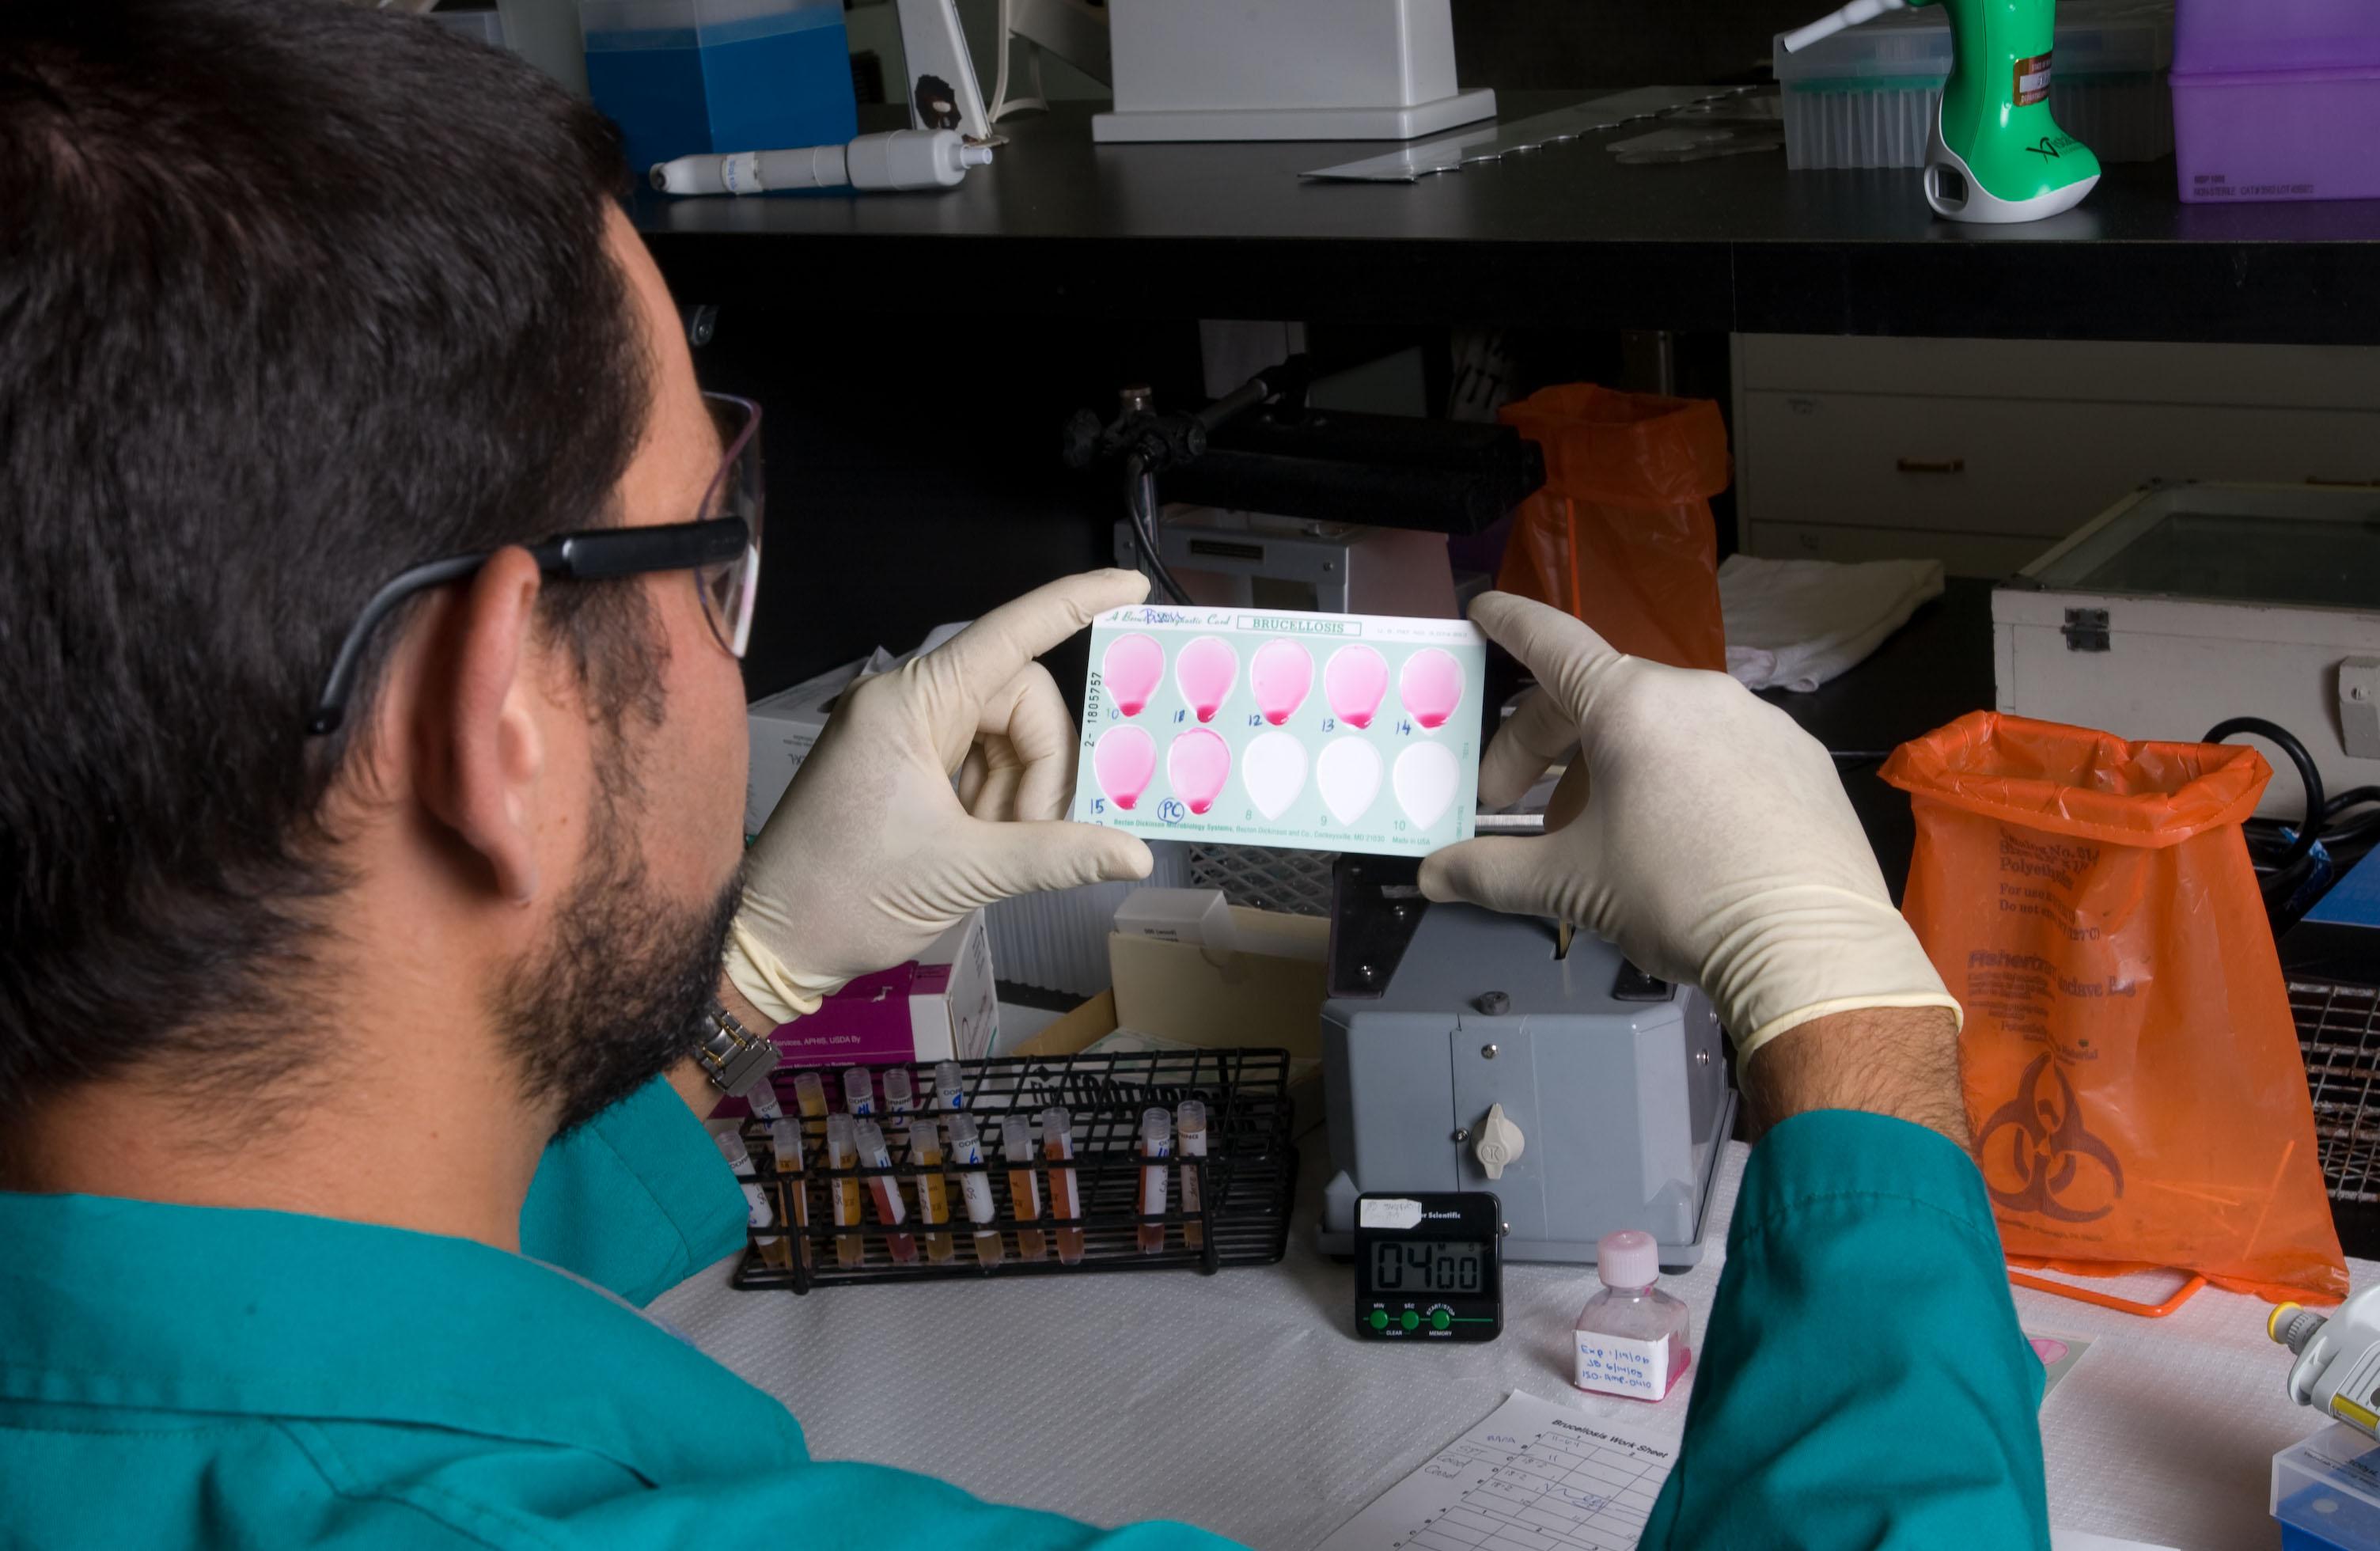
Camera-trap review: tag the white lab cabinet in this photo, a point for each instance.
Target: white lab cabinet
(1980, 452)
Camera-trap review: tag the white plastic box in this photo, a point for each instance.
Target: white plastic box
(2185, 605)
(1299, 70)
(1867, 96)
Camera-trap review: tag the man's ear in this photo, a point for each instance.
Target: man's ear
(476, 740)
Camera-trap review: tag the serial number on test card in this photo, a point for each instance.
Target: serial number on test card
(1266, 727)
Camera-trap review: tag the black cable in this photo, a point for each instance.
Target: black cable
(1140, 499)
(2308, 831)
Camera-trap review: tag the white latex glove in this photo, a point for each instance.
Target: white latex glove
(1699, 829)
(872, 854)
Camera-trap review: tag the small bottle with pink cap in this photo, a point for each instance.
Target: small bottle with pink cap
(1631, 1336)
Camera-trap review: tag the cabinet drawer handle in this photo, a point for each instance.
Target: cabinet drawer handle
(2342, 484)
(1931, 466)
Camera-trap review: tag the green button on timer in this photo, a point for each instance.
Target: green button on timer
(1440, 1320)
(1379, 1320)
(1409, 1320)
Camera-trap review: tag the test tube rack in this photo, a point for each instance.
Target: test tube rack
(1246, 1182)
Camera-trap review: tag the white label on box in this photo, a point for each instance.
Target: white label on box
(1388, 1214)
(1618, 1366)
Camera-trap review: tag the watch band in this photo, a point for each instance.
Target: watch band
(736, 1059)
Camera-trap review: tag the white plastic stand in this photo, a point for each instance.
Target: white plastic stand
(1311, 69)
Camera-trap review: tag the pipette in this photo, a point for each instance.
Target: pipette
(1156, 1142)
(841, 1151)
(1827, 26)
(858, 1090)
(1065, 1201)
(1024, 1188)
(974, 1185)
(1190, 1119)
(891, 1209)
(933, 1196)
(900, 1091)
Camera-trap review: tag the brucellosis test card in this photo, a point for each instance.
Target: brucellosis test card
(1253, 727)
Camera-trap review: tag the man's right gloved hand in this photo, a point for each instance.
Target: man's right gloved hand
(1698, 828)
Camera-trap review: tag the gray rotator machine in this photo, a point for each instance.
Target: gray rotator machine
(1465, 1050)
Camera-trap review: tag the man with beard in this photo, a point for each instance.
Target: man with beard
(374, 575)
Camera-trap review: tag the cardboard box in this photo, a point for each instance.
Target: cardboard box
(784, 728)
(1194, 994)
(941, 1006)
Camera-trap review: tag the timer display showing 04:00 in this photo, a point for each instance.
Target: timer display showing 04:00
(1426, 1267)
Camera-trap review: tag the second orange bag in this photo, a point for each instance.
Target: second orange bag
(2132, 1072)
(1621, 534)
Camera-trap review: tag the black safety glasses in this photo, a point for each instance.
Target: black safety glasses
(721, 546)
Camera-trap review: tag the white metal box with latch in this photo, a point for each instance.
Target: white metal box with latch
(2187, 604)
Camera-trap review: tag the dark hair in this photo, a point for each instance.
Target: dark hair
(292, 296)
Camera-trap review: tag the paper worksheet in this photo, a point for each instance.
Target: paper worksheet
(1264, 727)
(1535, 1476)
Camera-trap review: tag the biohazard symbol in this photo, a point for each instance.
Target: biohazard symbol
(2048, 1152)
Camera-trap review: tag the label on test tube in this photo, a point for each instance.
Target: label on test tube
(1024, 1186)
(1066, 1202)
(842, 1152)
(758, 1213)
(948, 1092)
(975, 1184)
(1155, 1141)
(858, 1090)
(891, 1210)
(900, 1091)
(933, 1198)
(1190, 1119)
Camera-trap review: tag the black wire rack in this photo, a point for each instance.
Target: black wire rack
(2338, 1030)
(1243, 1186)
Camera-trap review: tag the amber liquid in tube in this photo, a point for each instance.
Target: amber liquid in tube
(1065, 1201)
(1024, 1189)
(850, 1249)
(933, 1195)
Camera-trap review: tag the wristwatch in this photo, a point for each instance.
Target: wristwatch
(735, 1059)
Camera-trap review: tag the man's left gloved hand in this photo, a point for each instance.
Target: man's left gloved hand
(873, 854)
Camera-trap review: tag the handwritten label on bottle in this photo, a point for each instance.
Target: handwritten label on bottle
(1618, 1366)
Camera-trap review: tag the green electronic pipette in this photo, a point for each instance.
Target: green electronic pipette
(1995, 153)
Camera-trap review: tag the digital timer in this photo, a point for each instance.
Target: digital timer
(1426, 1267)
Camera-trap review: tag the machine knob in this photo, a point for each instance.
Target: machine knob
(1499, 1142)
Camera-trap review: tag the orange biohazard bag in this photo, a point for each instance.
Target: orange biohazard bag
(1621, 534)
(2133, 1074)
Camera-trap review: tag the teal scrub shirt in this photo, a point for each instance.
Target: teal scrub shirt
(175, 1376)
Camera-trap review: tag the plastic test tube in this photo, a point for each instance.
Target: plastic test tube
(1024, 1187)
(842, 1152)
(975, 1184)
(757, 1211)
(948, 1093)
(809, 1096)
(858, 1090)
(891, 1209)
(1190, 1119)
(933, 1196)
(1155, 1141)
(1065, 1201)
(785, 1145)
(900, 1091)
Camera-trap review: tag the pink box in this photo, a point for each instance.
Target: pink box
(940, 1006)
